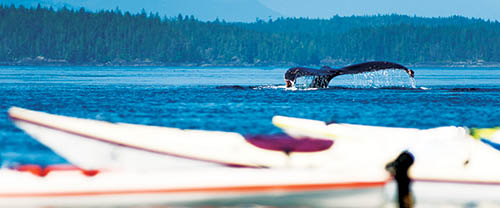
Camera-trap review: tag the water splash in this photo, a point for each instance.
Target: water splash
(378, 79)
(282, 87)
(413, 82)
(303, 82)
(269, 87)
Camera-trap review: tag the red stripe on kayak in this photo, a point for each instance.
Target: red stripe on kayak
(13, 117)
(239, 189)
(38, 170)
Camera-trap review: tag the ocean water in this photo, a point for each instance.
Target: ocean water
(242, 100)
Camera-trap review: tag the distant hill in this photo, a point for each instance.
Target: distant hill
(485, 9)
(205, 10)
(47, 36)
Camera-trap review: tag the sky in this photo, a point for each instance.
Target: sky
(485, 9)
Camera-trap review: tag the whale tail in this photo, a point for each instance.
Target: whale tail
(325, 74)
(373, 66)
(321, 81)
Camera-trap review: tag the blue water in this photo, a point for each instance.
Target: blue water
(240, 99)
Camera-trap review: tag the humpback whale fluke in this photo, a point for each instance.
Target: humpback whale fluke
(323, 75)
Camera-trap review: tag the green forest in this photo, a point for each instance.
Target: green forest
(79, 37)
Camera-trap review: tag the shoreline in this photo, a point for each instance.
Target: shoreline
(61, 63)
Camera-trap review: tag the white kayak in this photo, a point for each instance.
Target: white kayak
(441, 154)
(204, 187)
(239, 187)
(93, 144)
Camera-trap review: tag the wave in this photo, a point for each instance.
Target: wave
(473, 89)
(234, 87)
(283, 87)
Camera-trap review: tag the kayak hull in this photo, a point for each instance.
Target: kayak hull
(448, 193)
(238, 187)
(207, 187)
(371, 197)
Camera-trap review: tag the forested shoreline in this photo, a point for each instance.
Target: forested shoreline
(44, 36)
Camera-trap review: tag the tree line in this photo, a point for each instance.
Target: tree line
(116, 37)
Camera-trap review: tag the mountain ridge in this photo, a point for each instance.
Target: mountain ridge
(206, 10)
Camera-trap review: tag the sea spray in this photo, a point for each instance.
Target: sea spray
(303, 82)
(413, 82)
(377, 79)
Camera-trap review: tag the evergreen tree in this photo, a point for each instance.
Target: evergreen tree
(83, 37)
